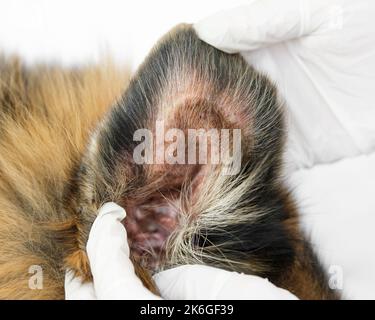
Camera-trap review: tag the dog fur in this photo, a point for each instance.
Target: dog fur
(65, 149)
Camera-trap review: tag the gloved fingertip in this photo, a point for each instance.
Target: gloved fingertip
(211, 33)
(113, 209)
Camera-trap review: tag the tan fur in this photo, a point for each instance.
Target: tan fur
(46, 115)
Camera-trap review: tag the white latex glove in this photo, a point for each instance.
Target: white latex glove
(108, 253)
(199, 282)
(321, 54)
(262, 23)
(114, 277)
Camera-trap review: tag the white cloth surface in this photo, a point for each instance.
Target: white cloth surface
(337, 206)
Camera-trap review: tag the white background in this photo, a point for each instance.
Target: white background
(72, 31)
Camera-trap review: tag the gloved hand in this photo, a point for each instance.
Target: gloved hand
(323, 62)
(199, 282)
(114, 277)
(262, 23)
(108, 253)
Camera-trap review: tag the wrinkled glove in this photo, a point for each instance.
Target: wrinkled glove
(323, 62)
